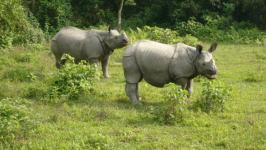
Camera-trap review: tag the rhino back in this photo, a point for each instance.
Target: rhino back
(78, 43)
(153, 59)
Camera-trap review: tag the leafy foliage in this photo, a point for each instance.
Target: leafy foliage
(52, 14)
(216, 29)
(162, 35)
(73, 80)
(213, 96)
(174, 107)
(20, 74)
(14, 119)
(15, 26)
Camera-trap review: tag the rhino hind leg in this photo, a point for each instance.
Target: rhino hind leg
(132, 92)
(133, 76)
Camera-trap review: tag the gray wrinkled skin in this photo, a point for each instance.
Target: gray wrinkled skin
(159, 64)
(90, 45)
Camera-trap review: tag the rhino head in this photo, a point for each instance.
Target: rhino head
(115, 39)
(205, 63)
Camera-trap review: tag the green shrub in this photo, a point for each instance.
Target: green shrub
(190, 40)
(162, 35)
(215, 29)
(24, 57)
(173, 108)
(213, 96)
(15, 26)
(73, 80)
(96, 141)
(20, 74)
(14, 119)
(36, 91)
(6, 39)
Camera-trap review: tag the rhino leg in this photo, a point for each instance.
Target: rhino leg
(132, 92)
(77, 61)
(133, 76)
(58, 61)
(186, 84)
(93, 61)
(189, 86)
(104, 62)
(57, 54)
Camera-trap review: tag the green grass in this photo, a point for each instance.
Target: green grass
(108, 120)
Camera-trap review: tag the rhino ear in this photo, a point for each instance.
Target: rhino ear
(199, 48)
(213, 47)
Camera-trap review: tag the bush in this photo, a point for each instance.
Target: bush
(73, 80)
(162, 35)
(215, 29)
(20, 74)
(52, 14)
(15, 26)
(36, 91)
(174, 107)
(213, 96)
(14, 119)
(96, 141)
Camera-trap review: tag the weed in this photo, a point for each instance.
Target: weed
(73, 80)
(254, 77)
(96, 141)
(173, 109)
(162, 35)
(36, 91)
(27, 57)
(14, 119)
(20, 74)
(213, 96)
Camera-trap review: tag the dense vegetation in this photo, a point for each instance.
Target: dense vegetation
(25, 21)
(42, 107)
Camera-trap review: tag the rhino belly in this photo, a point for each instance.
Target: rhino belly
(156, 80)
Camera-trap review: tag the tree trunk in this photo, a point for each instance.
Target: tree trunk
(119, 15)
(33, 5)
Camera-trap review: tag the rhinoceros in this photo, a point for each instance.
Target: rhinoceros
(90, 45)
(160, 64)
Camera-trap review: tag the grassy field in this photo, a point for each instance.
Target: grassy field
(108, 120)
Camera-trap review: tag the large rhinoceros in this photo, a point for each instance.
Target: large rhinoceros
(160, 64)
(90, 45)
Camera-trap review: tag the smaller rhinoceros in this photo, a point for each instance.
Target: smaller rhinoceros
(160, 64)
(90, 45)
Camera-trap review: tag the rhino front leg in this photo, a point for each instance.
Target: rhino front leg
(186, 84)
(189, 87)
(58, 61)
(104, 62)
(93, 61)
(132, 92)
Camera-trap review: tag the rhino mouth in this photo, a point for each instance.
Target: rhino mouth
(211, 76)
(124, 42)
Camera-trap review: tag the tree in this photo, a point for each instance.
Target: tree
(120, 15)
